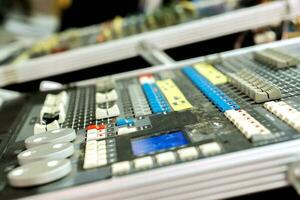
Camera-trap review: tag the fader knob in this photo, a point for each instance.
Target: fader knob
(58, 135)
(38, 173)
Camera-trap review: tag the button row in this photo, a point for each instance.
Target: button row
(249, 126)
(215, 95)
(254, 86)
(285, 112)
(212, 74)
(99, 153)
(166, 158)
(173, 94)
(138, 100)
(155, 98)
(275, 58)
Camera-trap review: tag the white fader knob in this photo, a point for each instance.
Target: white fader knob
(53, 126)
(39, 128)
(46, 151)
(58, 135)
(40, 172)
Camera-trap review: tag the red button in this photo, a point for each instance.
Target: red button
(92, 126)
(101, 126)
(98, 127)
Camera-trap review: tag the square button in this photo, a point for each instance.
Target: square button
(121, 168)
(165, 158)
(188, 153)
(143, 163)
(210, 149)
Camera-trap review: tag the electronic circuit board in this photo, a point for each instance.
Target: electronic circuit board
(223, 126)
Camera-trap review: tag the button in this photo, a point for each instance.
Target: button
(285, 112)
(101, 113)
(101, 162)
(50, 100)
(211, 73)
(100, 97)
(210, 149)
(126, 130)
(247, 124)
(53, 125)
(46, 151)
(165, 158)
(112, 95)
(113, 111)
(188, 153)
(38, 173)
(143, 163)
(93, 126)
(62, 116)
(92, 131)
(123, 121)
(120, 168)
(63, 98)
(174, 95)
(39, 128)
(58, 135)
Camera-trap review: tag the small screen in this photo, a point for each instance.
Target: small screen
(142, 146)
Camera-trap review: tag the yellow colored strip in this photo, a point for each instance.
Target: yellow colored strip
(173, 94)
(211, 73)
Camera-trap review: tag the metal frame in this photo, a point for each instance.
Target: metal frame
(223, 176)
(174, 36)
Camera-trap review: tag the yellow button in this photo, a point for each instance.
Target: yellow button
(173, 95)
(211, 73)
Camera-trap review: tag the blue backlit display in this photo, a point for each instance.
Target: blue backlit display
(142, 146)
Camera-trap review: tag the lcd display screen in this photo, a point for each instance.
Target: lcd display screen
(142, 146)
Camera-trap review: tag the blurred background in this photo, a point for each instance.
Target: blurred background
(31, 29)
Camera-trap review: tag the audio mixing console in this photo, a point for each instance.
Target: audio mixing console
(221, 127)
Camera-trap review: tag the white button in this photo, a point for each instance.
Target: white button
(53, 125)
(143, 163)
(121, 168)
(113, 111)
(210, 149)
(101, 113)
(165, 158)
(62, 116)
(188, 153)
(91, 137)
(50, 100)
(112, 95)
(100, 97)
(101, 157)
(126, 130)
(63, 97)
(92, 131)
(102, 151)
(101, 136)
(101, 162)
(91, 143)
(39, 128)
(91, 163)
(103, 142)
